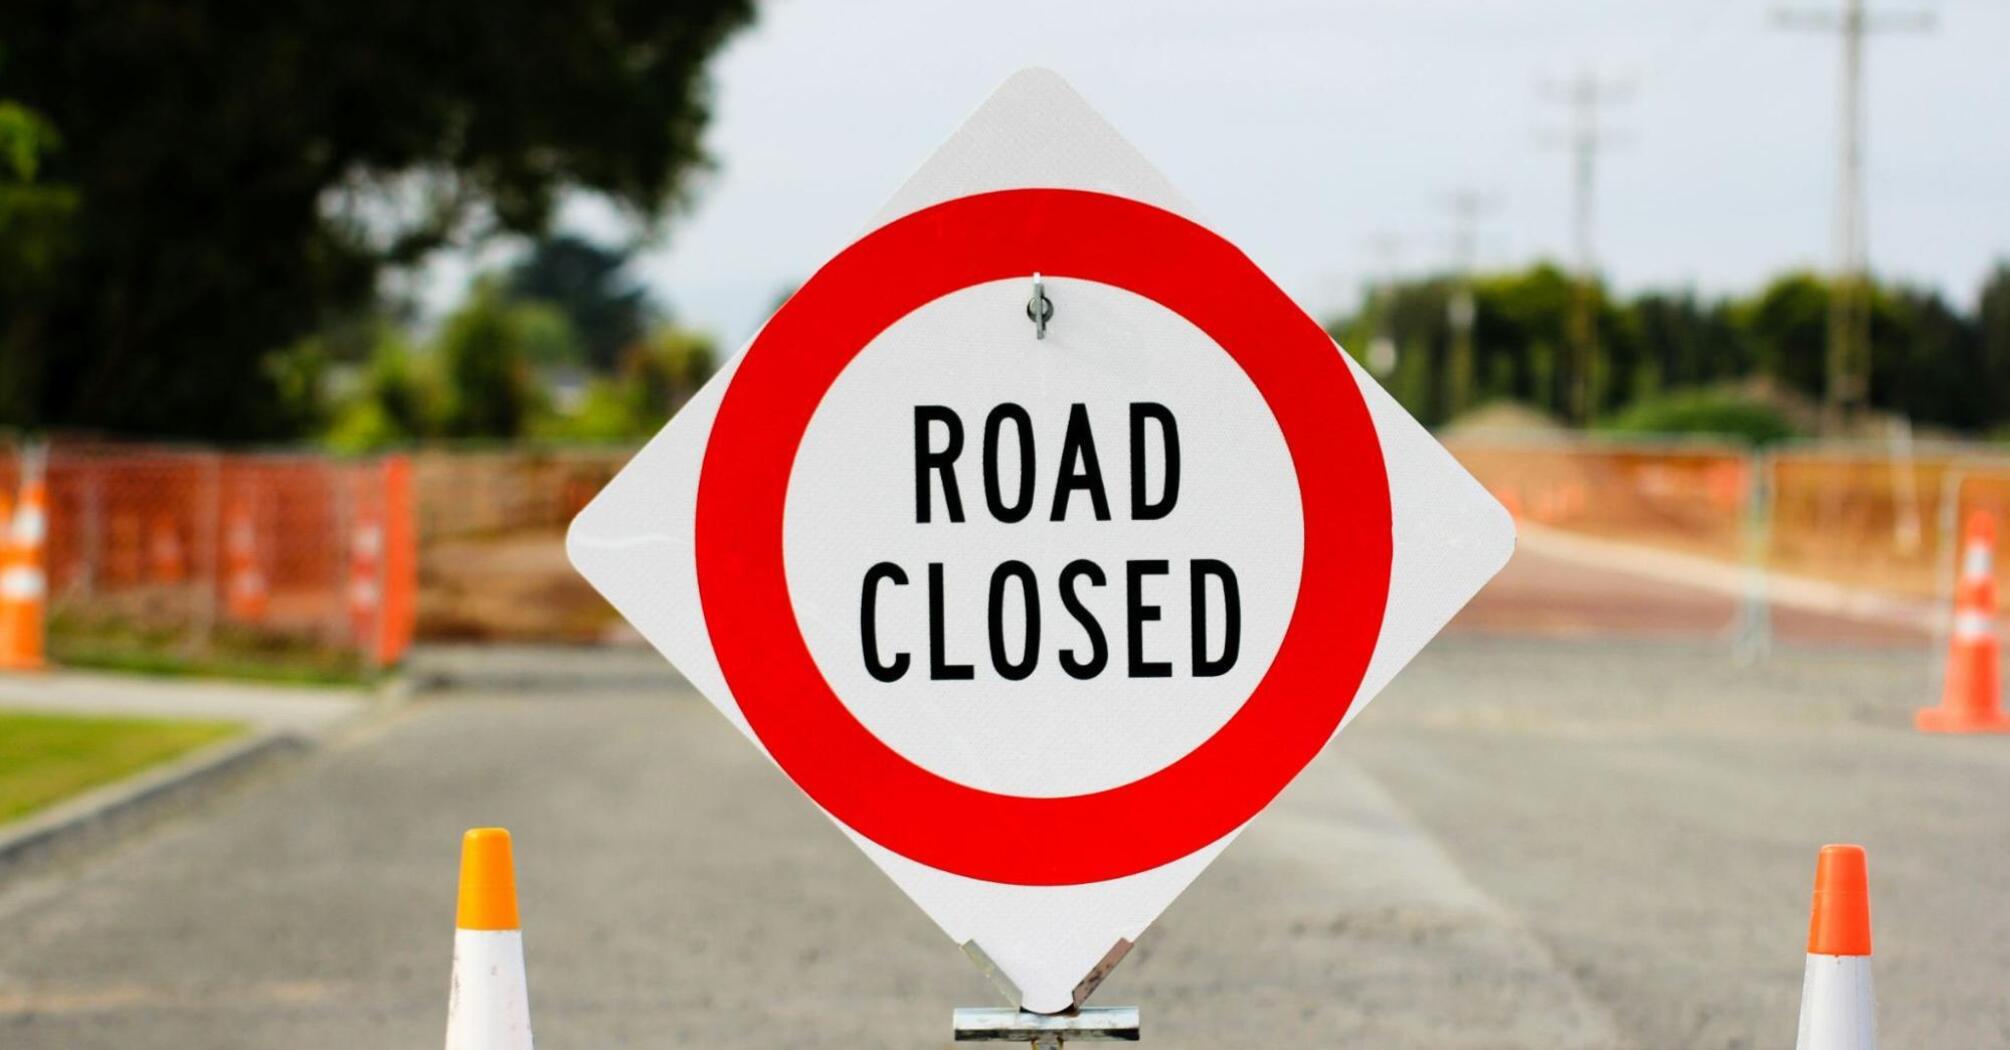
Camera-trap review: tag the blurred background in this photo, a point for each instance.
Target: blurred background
(321, 319)
(1562, 234)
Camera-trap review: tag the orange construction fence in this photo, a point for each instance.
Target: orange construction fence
(244, 556)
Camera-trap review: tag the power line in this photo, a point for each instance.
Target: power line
(1849, 299)
(1586, 96)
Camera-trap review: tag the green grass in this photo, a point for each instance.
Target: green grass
(48, 757)
(107, 642)
(165, 664)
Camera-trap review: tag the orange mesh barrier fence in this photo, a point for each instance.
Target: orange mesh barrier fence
(1883, 518)
(163, 555)
(1692, 498)
(1871, 519)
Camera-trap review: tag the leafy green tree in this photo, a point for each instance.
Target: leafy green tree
(1927, 361)
(244, 172)
(1992, 325)
(589, 284)
(667, 370)
(657, 376)
(34, 217)
(484, 355)
(396, 400)
(1664, 352)
(1684, 341)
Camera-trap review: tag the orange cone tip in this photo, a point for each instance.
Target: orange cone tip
(1982, 528)
(1840, 923)
(488, 881)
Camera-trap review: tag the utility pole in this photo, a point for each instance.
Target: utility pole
(1467, 207)
(1387, 248)
(1850, 293)
(1585, 95)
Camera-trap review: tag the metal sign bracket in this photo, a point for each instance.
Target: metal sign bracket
(1077, 1024)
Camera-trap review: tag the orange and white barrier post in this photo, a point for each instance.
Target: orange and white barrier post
(488, 1006)
(164, 554)
(24, 581)
(245, 592)
(1838, 1006)
(1970, 697)
(366, 575)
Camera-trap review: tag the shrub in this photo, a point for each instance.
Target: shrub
(1703, 412)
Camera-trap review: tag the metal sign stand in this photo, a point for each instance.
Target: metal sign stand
(986, 1024)
(1077, 1024)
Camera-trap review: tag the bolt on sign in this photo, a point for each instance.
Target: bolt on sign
(1041, 587)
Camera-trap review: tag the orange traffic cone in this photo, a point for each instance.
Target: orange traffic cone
(1838, 1007)
(1969, 699)
(24, 585)
(244, 580)
(488, 1004)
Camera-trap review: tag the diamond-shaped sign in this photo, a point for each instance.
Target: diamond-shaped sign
(1041, 540)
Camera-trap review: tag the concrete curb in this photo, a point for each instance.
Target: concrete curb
(103, 813)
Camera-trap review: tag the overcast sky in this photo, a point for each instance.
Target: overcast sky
(1302, 130)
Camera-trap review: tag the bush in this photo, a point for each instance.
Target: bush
(1703, 412)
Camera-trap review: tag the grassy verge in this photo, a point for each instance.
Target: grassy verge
(85, 656)
(45, 758)
(137, 645)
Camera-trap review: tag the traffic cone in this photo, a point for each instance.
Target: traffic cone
(164, 555)
(244, 581)
(7, 562)
(1969, 698)
(488, 1007)
(366, 591)
(1838, 1008)
(24, 585)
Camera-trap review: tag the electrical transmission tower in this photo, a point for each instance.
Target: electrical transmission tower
(1467, 208)
(1850, 296)
(1585, 95)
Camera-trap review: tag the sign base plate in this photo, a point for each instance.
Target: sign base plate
(1090, 1024)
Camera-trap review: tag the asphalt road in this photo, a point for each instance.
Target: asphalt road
(1526, 842)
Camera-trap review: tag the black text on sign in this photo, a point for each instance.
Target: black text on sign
(944, 459)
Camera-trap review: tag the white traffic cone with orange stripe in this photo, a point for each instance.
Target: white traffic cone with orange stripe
(1838, 1006)
(488, 1007)
(165, 558)
(24, 584)
(7, 559)
(1970, 697)
(244, 579)
(366, 588)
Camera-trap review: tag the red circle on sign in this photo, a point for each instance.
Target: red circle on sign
(880, 793)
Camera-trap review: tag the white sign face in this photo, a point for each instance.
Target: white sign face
(1040, 621)
(1040, 722)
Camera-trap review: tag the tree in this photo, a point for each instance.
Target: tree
(1788, 326)
(34, 215)
(1926, 361)
(244, 172)
(588, 283)
(1992, 323)
(485, 362)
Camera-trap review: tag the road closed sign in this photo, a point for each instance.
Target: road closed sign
(1041, 540)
